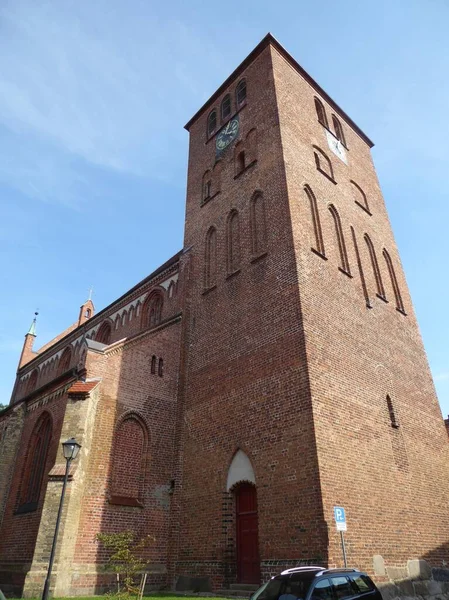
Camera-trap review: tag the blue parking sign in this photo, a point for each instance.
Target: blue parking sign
(340, 518)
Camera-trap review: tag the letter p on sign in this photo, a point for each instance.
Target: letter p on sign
(340, 518)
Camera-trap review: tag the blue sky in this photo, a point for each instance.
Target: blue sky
(93, 154)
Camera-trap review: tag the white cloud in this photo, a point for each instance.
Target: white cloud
(94, 84)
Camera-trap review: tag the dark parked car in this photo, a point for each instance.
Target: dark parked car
(317, 583)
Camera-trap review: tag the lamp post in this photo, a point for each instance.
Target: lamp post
(70, 449)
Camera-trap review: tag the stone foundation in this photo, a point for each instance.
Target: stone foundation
(417, 579)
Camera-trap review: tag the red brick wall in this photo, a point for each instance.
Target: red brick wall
(19, 531)
(128, 388)
(384, 476)
(246, 374)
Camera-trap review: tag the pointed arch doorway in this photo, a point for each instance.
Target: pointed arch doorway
(242, 482)
(248, 562)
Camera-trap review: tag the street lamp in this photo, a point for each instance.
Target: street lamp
(70, 449)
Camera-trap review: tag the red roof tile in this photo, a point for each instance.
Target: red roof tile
(83, 387)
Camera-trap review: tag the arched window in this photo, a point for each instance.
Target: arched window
(233, 242)
(207, 185)
(360, 197)
(323, 163)
(393, 420)
(160, 368)
(124, 318)
(258, 225)
(239, 157)
(216, 177)
(376, 270)
(87, 313)
(64, 361)
(240, 92)
(32, 382)
(35, 464)
(152, 312)
(319, 244)
(104, 333)
(359, 264)
(129, 456)
(394, 283)
(131, 314)
(344, 263)
(321, 113)
(210, 262)
(251, 146)
(153, 364)
(226, 107)
(338, 130)
(211, 123)
(117, 322)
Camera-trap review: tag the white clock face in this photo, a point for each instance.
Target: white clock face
(336, 146)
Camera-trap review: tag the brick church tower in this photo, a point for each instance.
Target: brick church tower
(306, 383)
(269, 371)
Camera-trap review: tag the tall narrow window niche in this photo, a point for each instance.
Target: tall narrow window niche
(338, 130)
(344, 262)
(211, 123)
(206, 187)
(210, 260)
(129, 458)
(35, 464)
(233, 243)
(376, 271)
(258, 226)
(318, 248)
(393, 420)
(321, 113)
(394, 283)
(239, 158)
(360, 197)
(251, 146)
(323, 164)
(360, 267)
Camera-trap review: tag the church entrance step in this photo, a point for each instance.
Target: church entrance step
(239, 590)
(248, 587)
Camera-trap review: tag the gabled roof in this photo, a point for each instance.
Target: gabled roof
(270, 40)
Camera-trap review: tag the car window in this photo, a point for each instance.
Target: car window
(296, 587)
(362, 583)
(322, 590)
(342, 587)
(269, 591)
(293, 587)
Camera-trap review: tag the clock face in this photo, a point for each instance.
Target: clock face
(227, 134)
(336, 146)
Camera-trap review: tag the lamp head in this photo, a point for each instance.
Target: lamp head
(70, 449)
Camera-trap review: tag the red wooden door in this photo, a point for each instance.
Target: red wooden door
(248, 564)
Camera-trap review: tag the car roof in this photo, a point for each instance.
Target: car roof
(318, 571)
